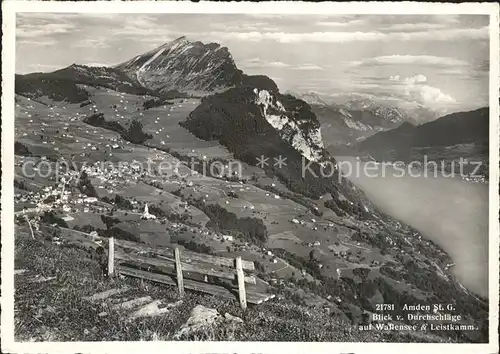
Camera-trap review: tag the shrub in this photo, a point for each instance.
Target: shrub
(123, 203)
(153, 209)
(196, 247)
(332, 204)
(21, 149)
(249, 229)
(135, 135)
(122, 234)
(361, 272)
(85, 228)
(20, 184)
(85, 186)
(109, 221)
(98, 120)
(50, 218)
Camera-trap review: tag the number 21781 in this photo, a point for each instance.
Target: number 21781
(384, 307)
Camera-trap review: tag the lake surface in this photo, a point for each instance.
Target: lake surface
(449, 211)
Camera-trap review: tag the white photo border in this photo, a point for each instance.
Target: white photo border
(9, 10)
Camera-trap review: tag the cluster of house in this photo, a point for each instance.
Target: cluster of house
(312, 224)
(58, 198)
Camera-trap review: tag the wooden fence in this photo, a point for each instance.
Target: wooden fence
(220, 276)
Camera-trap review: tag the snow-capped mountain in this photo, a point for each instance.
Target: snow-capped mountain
(393, 109)
(184, 66)
(359, 115)
(309, 97)
(384, 113)
(306, 141)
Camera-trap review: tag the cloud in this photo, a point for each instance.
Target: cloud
(284, 37)
(37, 42)
(92, 42)
(308, 67)
(444, 35)
(43, 67)
(414, 27)
(259, 63)
(339, 37)
(243, 27)
(454, 72)
(415, 79)
(426, 60)
(414, 88)
(340, 23)
(41, 30)
(430, 96)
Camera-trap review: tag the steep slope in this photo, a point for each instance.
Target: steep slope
(184, 66)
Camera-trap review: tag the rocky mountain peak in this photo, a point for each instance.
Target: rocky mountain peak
(191, 67)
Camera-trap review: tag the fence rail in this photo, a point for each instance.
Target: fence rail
(216, 275)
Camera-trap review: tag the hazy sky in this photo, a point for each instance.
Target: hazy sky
(438, 61)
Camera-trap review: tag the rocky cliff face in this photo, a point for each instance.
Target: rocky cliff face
(303, 134)
(184, 66)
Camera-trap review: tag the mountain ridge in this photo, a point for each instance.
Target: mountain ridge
(184, 66)
(451, 129)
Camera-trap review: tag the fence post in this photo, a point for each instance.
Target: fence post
(111, 256)
(241, 283)
(178, 269)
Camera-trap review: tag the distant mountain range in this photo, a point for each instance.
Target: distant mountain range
(392, 107)
(310, 97)
(388, 108)
(344, 124)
